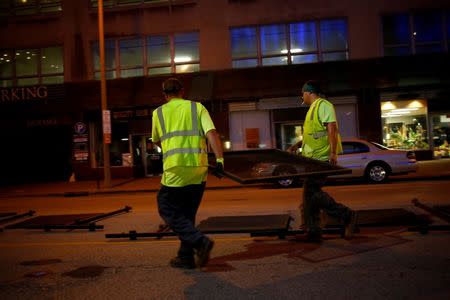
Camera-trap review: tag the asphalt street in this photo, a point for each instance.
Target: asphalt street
(382, 264)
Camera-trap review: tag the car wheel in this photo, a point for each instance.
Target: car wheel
(287, 182)
(377, 172)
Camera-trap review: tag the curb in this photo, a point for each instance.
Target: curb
(154, 190)
(92, 193)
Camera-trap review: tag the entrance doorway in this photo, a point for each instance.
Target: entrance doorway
(147, 156)
(290, 134)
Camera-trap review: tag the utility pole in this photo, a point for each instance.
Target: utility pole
(106, 114)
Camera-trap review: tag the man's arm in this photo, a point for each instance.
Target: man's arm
(216, 144)
(332, 138)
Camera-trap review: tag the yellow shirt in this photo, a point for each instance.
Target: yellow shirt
(180, 176)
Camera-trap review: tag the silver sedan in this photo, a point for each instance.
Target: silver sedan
(368, 160)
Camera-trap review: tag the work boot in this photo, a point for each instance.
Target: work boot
(350, 225)
(182, 262)
(203, 252)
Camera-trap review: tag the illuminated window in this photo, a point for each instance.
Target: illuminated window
(22, 67)
(186, 49)
(28, 7)
(151, 55)
(295, 43)
(419, 33)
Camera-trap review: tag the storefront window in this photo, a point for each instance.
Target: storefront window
(405, 124)
(441, 135)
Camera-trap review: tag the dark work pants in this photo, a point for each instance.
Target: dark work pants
(178, 207)
(315, 200)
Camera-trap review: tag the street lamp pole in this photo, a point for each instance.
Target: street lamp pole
(106, 116)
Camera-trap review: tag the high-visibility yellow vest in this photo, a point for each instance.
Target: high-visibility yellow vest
(315, 135)
(182, 141)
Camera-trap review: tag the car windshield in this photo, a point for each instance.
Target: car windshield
(381, 147)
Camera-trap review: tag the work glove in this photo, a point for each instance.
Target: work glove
(218, 169)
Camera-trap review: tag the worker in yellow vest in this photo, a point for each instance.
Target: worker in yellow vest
(181, 127)
(321, 141)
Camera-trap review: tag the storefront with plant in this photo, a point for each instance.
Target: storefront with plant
(441, 134)
(405, 124)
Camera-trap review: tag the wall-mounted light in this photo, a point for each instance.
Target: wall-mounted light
(124, 139)
(227, 145)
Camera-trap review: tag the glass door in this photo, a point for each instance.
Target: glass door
(147, 156)
(291, 134)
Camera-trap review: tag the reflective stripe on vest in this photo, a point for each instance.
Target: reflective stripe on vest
(318, 134)
(183, 151)
(315, 141)
(193, 132)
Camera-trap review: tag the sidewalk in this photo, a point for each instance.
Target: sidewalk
(92, 187)
(426, 170)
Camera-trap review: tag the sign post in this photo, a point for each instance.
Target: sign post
(106, 114)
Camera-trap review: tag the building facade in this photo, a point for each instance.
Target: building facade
(384, 64)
